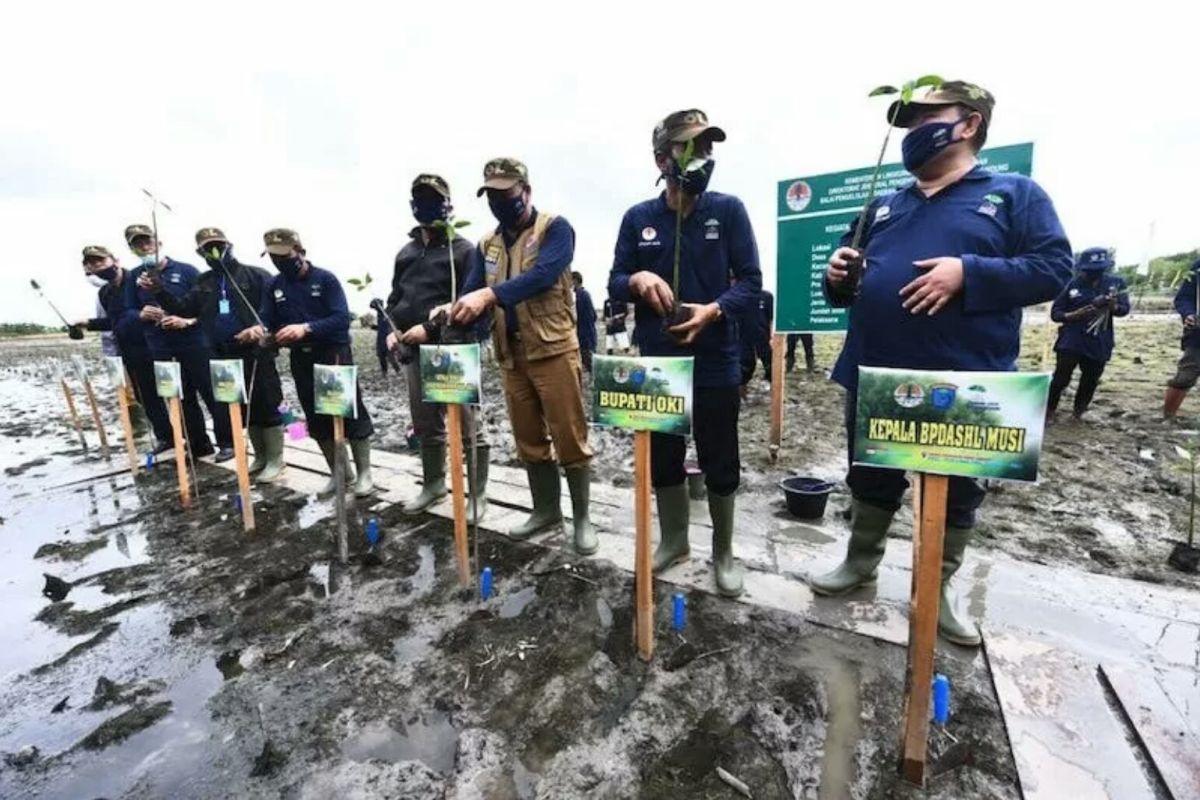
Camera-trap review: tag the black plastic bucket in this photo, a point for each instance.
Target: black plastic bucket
(806, 497)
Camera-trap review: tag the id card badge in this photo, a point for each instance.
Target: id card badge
(223, 306)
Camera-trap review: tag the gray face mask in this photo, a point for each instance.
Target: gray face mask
(150, 260)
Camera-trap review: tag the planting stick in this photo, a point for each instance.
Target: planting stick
(74, 414)
(929, 530)
(778, 343)
(339, 484)
(243, 470)
(457, 498)
(643, 577)
(127, 426)
(181, 468)
(91, 396)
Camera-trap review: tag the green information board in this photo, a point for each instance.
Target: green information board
(812, 215)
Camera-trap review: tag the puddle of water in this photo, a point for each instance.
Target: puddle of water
(604, 611)
(843, 727)
(807, 533)
(412, 648)
(313, 512)
(431, 739)
(517, 602)
(422, 580)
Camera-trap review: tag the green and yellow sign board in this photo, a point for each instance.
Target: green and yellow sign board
(649, 393)
(168, 379)
(228, 380)
(970, 424)
(335, 389)
(114, 368)
(450, 373)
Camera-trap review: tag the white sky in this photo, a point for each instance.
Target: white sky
(252, 115)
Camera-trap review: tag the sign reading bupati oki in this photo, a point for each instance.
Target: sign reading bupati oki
(814, 213)
(970, 424)
(649, 393)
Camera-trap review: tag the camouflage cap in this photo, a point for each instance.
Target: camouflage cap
(503, 173)
(96, 251)
(134, 231)
(949, 93)
(1095, 258)
(281, 241)
(435, 182)
(683, 126)
(208, 235)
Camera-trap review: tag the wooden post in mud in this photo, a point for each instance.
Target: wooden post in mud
(185, 492)
(642, 571)
(127, 426)
(778, 344)
(457, 495)
(929, 531)
(243, 469)
(74, 414)
(91, 396)
(339, 486)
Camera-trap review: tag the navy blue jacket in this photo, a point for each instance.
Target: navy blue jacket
(717, 242)
(1014, 254)
(219, 307)
(127, 328)
(756, 326)
(1186, 304)
(585, 316)
(1073, 336)
(316, 299)
(177, 279)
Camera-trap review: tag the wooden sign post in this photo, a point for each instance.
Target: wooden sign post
(339, 487)
(643, 575)
(91, 396)
(929, 531)
(228, 379)
(457, 493)
(335, 394)
(775, 439)
(71, 408)
(169, 383)
(243, 468)
(127, 427)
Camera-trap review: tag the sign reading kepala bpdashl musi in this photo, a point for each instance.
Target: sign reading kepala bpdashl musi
(648, 393)
(450, 373)
(970, 424)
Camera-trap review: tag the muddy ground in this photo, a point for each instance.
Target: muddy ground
(186, 660)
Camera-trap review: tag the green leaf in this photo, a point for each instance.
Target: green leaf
(906, 94)
(932, 81)
(215, 253)
(461, 223)
(878, 90)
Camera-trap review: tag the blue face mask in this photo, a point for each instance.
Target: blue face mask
(694, 179)
(508, 210)
(150, 260)
(926, 141)
(428, 210)
(288, 266)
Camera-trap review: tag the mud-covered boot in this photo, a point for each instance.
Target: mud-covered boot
(433, 480)
(955, 629)
(546, 490)
(1172, 401)
(810, 363)
(272, 440)
(579, 482)
(363, 484)
(477, 478)
(868, 538)
(255, 435)
(673, 517)
(326, 446)
(728, 570)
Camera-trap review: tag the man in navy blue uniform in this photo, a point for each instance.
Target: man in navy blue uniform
(1086, 310)
(585, 321)
(176, 338)
(950, 261)
(100, 265)
(719, 283)
(1187, 302)
(755, 330)
(304, 308)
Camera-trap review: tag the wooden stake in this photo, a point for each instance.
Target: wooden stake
(929, 531)
(185, 492)
(127, 427)
(778, 345)
(643, 574)
(91, 396)
(339, 483)
(457, 496)
(243, 469)
(74, 414)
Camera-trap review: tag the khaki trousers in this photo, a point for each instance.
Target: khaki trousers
(545, 405)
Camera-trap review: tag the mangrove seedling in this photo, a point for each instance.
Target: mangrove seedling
(686, 163)
(452, 334)
(1186, 556)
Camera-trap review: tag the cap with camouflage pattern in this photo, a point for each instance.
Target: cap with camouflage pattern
(435, 182)
(134, 231)
(949, 93)
(96, 251)
(683, 126)
(503, 173)
(209, 235)
(281, 241)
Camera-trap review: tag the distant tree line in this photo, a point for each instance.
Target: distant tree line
(1166, 272)
(9, 329)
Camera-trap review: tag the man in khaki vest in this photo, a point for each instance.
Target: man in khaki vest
(523, 272)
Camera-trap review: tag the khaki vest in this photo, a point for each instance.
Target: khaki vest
(546, 321)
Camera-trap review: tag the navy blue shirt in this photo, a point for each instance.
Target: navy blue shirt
(1014, 254)
(316, 299)
(585, 315)
(1187, 299)
(127, 328)
(177, 280)
(717, 243)
(755, 327)
(1073, 336)
(554, 257)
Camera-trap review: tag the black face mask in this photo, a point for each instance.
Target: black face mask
(106, 274)
(288, 266)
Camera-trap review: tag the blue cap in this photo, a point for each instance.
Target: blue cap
(1095, 258)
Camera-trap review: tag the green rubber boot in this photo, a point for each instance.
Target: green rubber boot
(868, 537)
(260, 449)
(326, 446)
(363, 484)
(546, 490)
(953, 628)
(272, 442)
(673, 513)
(729, 571)
(477, 478)
(579, 482)
(433, 484)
